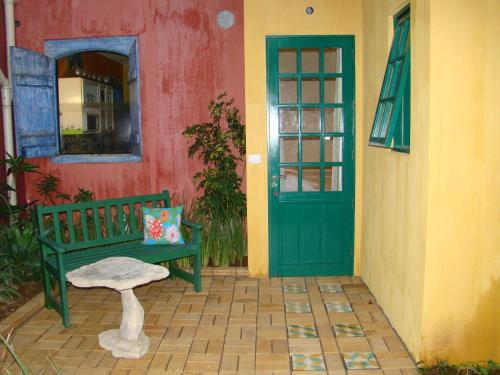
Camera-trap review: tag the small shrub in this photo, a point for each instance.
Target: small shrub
(220, 144)
(442, 367)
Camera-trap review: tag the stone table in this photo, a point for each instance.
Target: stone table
(121, 274)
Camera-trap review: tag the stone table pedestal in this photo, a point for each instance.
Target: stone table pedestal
(121, 274)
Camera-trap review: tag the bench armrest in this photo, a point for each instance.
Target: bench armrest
(51, 244)
(190, 225)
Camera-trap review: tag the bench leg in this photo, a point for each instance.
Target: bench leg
(172, 264)
(46, 283)
(63, 289)
(64, 301)
(197, 271)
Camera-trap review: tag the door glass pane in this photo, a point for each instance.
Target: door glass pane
(288, 91)
(333, 90)
(289, 181)
(334, 121)
(310, 149)
(287, 61)
(311, 179)
(333, 179)
(333, 149)
(289, 150)
(289, 120)
(310, 90)
(310, 60)
(332, 60)
(311, 120)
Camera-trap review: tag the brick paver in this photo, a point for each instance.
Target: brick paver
(237, 325)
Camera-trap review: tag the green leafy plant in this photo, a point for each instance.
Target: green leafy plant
(48, 188)
(441, 367)
(220, 144)
(22, 365)
(83, 196)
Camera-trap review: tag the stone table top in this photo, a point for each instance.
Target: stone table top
(119, 273)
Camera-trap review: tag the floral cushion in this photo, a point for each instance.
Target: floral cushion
(162, 225)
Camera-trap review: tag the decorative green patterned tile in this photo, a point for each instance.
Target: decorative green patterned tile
(293, 288)
(348, 330)
(297, 331)
(308, 362)
(360, 360)
(338, 307)
(330, 288)
(297, 307)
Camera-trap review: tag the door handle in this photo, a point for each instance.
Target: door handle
(274, 180)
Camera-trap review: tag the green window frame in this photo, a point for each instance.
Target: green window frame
(391, 125)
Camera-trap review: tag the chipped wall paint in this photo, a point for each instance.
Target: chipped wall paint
(186, 60)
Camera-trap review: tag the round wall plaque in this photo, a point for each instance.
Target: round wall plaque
(225, 19)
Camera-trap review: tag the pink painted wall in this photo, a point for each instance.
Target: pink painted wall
(186, 59)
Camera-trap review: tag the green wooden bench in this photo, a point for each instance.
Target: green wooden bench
(74, 235)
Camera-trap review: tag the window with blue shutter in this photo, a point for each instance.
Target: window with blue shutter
(35, 106)
(391, 125)
(40, 126)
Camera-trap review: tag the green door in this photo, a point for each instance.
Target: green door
(310, 81)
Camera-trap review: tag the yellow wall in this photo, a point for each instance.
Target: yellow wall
(285, 17)
(430, 221)
(462, 283)
(427, 224)
(394, 190)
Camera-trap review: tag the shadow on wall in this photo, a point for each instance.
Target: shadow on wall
(480, 337)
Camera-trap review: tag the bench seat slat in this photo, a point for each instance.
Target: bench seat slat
(146, 253)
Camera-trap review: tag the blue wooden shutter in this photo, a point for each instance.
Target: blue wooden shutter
(35, 107)
(135, 111)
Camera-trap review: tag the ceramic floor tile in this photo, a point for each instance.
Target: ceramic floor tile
(360, 360)
(294, 288)
(348, 330)
(330, 288)
(338, 307)
(297, 307)
(308, 362)
(298, 331)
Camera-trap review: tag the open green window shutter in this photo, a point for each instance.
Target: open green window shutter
(393, 87)
(35, 107)
(135, 112)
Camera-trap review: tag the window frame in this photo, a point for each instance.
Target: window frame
(393, 130)
(59, 48)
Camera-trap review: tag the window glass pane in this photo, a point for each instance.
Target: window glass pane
(333, 178)
(333, 90)
(311, 149)
(94, 110)
(289, 120)
(334, 120)
(311, 120)
(393, 84)
(332, 60)
(288, 91)
(287, 60)
(310, 61)
(386, 120)
(333, 149)
(311, 179)
(310, 90)
(290, 180)
(289, 150)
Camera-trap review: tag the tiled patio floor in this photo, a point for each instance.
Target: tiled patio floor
(237, 325)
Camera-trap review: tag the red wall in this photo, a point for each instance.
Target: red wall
(3, 67)
(185, 61)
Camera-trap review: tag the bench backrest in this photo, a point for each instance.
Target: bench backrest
(96, 223)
